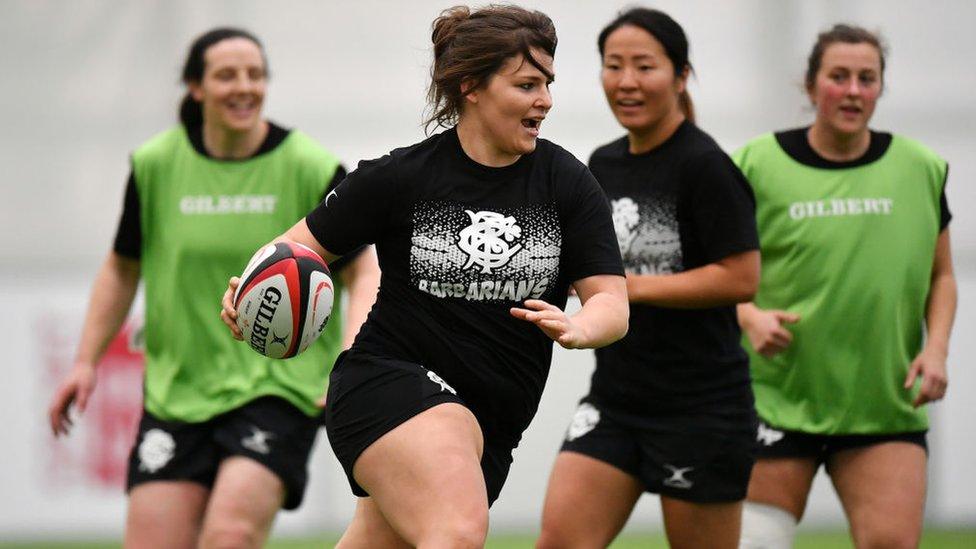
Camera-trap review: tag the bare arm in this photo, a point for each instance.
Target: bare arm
(361, 278)
(111, 297)
(940, 312)
(602, 320)
(733, 279)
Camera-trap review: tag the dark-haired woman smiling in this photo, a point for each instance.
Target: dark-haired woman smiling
(670, 407)
(226, 434)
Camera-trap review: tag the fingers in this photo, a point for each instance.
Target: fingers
(540, 305)
(228, 314)
(912, 374)
(786, 317)
(933, 388)
(58, 412)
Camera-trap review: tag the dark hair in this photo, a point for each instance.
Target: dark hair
(191, 112)
(472, 46)
(848, 34)
(665, 30)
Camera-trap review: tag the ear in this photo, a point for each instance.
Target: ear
(471, 95)
(196, 91)
(681, 80)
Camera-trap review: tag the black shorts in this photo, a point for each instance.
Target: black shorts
(683, 457)
(781, 443)
(269, 430)
(369, 396)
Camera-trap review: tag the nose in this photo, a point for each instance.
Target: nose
(854, 88)
(628, 80)
(544, 101)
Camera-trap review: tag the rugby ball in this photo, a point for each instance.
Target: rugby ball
(284, 299)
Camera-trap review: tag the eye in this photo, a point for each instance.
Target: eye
(611, 66)
(256, 74)
(527, 86)
(224, 74)
(645, 68)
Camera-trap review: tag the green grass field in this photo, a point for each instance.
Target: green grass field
(935, 539)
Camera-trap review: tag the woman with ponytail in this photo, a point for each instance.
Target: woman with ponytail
(225, 434)
(670, 406)
(481, 230)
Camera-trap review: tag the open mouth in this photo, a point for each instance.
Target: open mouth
(630, 102)
(850, 109)
(531, 123)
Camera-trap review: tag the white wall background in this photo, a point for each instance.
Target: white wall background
(87, 81)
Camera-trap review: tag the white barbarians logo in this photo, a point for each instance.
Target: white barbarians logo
(258, 441)
(767, 435)
(625, 219)
(155, 451)
(488, 240)
(444, 386)
(584, 420)
(677, 478)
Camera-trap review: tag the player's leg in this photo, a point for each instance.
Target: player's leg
(165, 514)
(266, 444)
(779, 488)
(691, 525)
(882, 488)
(370, 530)
(594, 483)
(425, 478)
(171, 468)
(243, 503)
(587, 503)
(701, 467)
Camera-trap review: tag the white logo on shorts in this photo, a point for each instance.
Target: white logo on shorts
(677, 478)
(584, 420)
(767, 435)
(155, 450)
(258, 441)
(437, 379)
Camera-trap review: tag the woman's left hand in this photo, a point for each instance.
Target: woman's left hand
(553, 321)
(930, 364)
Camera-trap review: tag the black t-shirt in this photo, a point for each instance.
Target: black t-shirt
(128, 235)
(795, 143)
(459, 244)
(679, 206)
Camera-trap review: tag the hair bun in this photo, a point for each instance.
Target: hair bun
(445, 27)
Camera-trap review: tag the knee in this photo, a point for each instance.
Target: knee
(553, 539)
(460, 532)
(886, 538)
(229, 534)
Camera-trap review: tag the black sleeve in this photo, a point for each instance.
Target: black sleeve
(589, 241)
(337, 177)
(722, 207)
(945, 216)
(128, 236)
(356, 211)
(340, 263)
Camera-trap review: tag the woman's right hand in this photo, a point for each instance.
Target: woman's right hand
(229, 314)
(765, 330)
(76, 388)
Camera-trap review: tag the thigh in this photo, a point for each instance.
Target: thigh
(783, 482)
(165, 514)
(587, 503)
(691, 525)
(882, 488)
(427, 471)
(275, 434)
(243, 502)
(370, 530)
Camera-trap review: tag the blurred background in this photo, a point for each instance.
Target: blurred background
(85, 82)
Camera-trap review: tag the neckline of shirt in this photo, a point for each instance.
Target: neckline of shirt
(680, 130)
(276, 135)
(479, 169)
(795, 144)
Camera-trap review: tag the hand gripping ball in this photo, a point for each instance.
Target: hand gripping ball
(284, 299)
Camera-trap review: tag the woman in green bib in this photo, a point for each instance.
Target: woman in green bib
(848, 333)
(226, 433)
